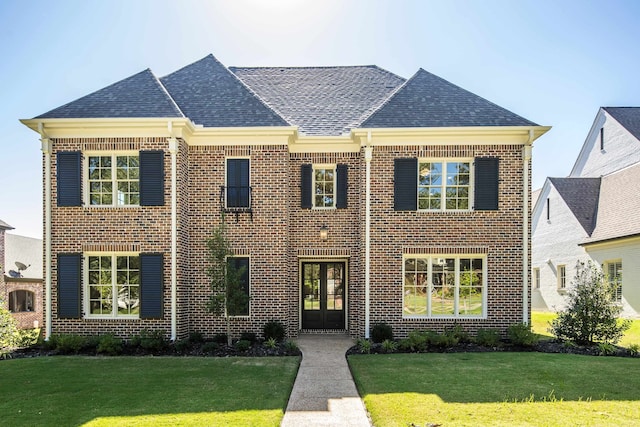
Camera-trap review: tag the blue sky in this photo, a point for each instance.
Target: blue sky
(553, 62)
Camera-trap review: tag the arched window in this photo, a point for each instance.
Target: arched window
(20, 301)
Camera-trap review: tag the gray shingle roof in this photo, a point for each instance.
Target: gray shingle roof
(581, 196)
(210, 95)
(140, 95)
(5, 226)
(321, 100)
(618, 206)
(427, 100)
(629, 117)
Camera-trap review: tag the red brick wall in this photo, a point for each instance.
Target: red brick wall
(28, 319)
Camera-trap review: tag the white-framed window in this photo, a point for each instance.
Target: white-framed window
(444, 286)
(562, 277)
(112, 285)
(445, 185)
(536, 278)
(614, 277)
(324, 186)
(113, 179)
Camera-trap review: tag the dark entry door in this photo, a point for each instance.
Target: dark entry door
(323, 295)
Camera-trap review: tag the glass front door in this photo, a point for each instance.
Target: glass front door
(323, 295)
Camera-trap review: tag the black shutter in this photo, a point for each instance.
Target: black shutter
(238, 183)
(69, 181)
(486, 185)
(405, 189)
(151, 286)
(69, 282)
(239, 263)
(306, 172)
(152, 178)
(341, 195)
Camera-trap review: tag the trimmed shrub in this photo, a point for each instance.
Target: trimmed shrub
(196, 337)
(211, 346)
(458, 334)
(290, 346)
(69, 343)
(243, 345)
(182, 346)
(522, 334)
(380, 332)
(109, 344)
(488, 337)
(220, 338)
(273, 329)
(150, 340)
(249, 336)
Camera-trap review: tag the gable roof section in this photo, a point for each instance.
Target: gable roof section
(140, 95)
(427, 100)
(321, 100)
(5, 226)
(581, 196)
(210, 95)
(618, 206)
(629, 117)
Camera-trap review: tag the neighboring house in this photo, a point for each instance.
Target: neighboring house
(352, 196)
(21, 277)
(592, 215)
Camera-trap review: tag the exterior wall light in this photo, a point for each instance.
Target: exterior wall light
(324, 233)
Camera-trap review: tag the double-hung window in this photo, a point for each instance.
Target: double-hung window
(444, 185)
(562, 277)
(113, 179)
(324, 186)
(112, 285)
(444, 286)
(614, 277)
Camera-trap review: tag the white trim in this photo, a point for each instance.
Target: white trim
(444, 161)
(173, 149)
(368, 156)
(114, 154)
(589, 143)
(324, 166)
(46, 151)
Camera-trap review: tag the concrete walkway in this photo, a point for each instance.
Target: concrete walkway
(324, 393)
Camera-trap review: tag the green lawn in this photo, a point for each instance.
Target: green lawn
(540, 324)
(498, 389)
(145, 391)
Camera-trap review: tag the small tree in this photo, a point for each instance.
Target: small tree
(592, 314)
(227, 293)
(8, 331)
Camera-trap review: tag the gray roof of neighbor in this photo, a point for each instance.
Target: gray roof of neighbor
(319, 100)
(581, 196)
(26, 250)
(5, 226)
(322, 100)
(629, 117)
(618, 206)
(140, 95)
(210, 95)
(427, 100)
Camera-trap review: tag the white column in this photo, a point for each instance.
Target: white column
(173, 149)
(46, 151)
(526, 160)
(368, 154)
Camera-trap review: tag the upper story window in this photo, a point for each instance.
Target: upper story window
(444, 185)
(112, 285)
(437, 185)
(444, 286)
(113, 180)
(20, 301)
(536, 278)
(324, 185)
(238, 189)
(110, 179)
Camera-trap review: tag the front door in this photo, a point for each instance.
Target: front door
(323, 296)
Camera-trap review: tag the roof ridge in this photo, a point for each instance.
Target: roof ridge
(304, 67)
(392, 94)
(164, 89)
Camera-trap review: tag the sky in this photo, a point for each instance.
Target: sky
(552, 62)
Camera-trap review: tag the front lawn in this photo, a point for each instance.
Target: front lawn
(145, 391)
(498, 389)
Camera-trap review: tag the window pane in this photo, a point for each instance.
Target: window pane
(324, 188)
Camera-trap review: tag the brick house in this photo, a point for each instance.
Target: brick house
(21, 288)
(352, 195)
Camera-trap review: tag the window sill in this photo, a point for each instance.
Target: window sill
(452, 318)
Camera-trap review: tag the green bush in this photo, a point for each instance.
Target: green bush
(417, 340)
(271, 343)
(27, 337)
(196, 337)
(592, 312)
(364, 346)
(109, 344)
(249, 336)
(211, 346)
(606, 349)
(381, 331)
(8, 331)
(220, 338)
(457, 334)
(389, 346)
(488, 337)
(522, 334)
(290, 346)
(150, 340)
(243, 345)
(182, 345)
(634, 349)
(69, 343)
(274, 329)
